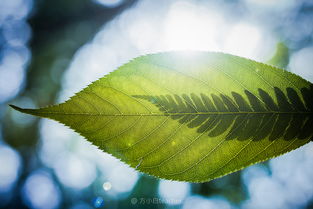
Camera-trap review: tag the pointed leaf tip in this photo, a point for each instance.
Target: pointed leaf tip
(16, 108)
(34, 112)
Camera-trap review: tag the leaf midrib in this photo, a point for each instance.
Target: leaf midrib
(171, 114)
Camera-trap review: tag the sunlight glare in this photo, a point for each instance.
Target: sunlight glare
(243, 40)
(189, 27)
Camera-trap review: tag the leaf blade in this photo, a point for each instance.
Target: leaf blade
(191, 118)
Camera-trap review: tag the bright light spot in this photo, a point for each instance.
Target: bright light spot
(10, 165)
(123, 178)
(98, 202)
(75, 172)
(189, 27)
(50, 150)
(16, 33)
(16, 9)
(146, 39)
(300, 190)
(263, 188)
(110, 3)
(40, 192)
(215, 202)
(243, 40)
(301, 63)
(107, 186)
(173, 192)
(11, 75)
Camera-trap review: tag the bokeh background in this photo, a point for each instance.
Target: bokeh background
(51, 49)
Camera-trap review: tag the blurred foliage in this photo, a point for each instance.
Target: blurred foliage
(59, 29)
(281, 56)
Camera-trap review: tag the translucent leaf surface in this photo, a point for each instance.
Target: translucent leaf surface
(191, 116)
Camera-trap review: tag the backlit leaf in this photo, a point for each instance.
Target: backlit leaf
(191, 116)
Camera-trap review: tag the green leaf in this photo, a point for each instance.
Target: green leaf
(191, 116)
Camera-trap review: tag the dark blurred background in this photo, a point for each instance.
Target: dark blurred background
(51, 49)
